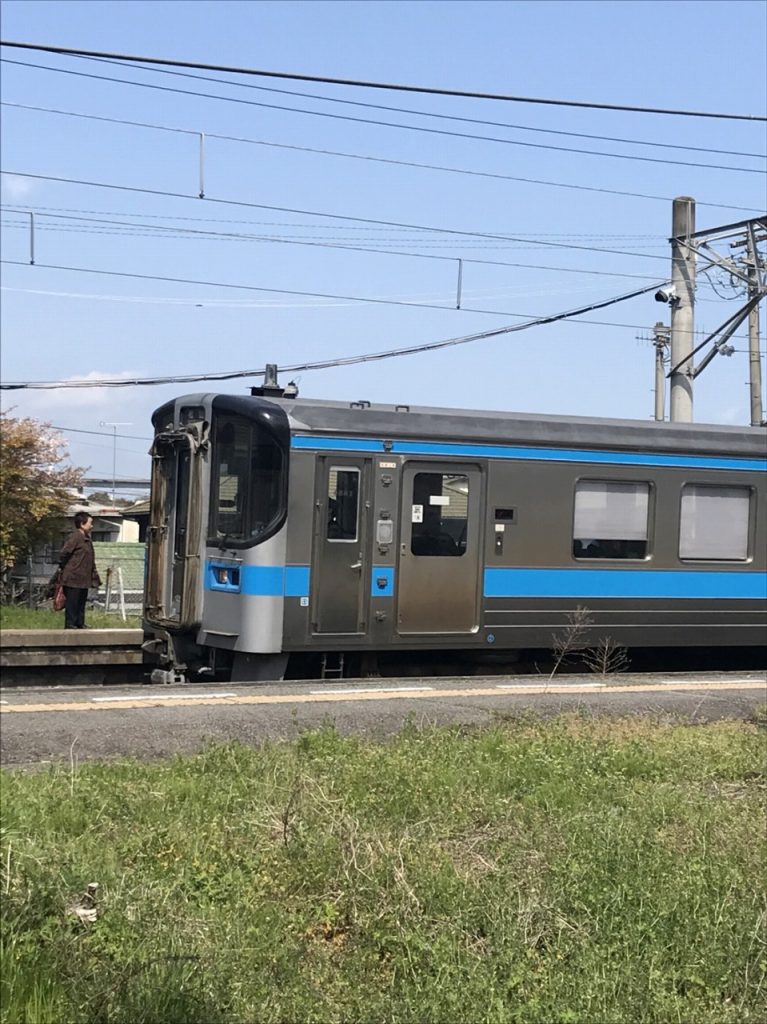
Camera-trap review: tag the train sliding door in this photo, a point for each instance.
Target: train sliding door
(440, 549)
(341, 572)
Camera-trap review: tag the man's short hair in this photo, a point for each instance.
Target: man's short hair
(80, 518)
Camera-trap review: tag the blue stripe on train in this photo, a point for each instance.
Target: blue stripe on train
(294, 581)
(368, 445)
(263, 580)
(625, 583)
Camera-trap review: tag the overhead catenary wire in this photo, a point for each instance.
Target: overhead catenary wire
(390, 124)
(17, 207)
(243, 304)
(332, 363)
(360, 83)
(381, 244)
(317, 213)
(375, 159)
(229, 236)
(363, 299)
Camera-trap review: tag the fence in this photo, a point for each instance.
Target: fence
(120, 565)
(121, 568)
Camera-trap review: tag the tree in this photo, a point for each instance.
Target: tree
(100, 496)
(106, 499)
(33, 484)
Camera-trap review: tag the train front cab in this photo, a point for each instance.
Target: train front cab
(216, 540)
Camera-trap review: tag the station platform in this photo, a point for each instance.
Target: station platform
(65, 647)
(25, 651)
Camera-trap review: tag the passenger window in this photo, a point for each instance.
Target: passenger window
(343, 504)
(610, 519)
(713, 523)
(439, 514)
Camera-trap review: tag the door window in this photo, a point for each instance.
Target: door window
(343, 504)
(439, 514)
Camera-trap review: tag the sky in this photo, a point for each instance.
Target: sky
(568, 238)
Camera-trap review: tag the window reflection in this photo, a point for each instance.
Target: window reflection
(343, 504)
(439, 514)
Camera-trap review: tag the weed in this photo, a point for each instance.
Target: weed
(14, 617)
(607, 658)
(571, 640)
(569, 870)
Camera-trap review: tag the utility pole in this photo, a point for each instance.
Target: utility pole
(690, 249)
(683, 259)
(114, 426)
(661, 343)
(755, 289)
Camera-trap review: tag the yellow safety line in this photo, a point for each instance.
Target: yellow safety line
(320, 698)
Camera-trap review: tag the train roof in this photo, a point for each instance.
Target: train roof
(363, 419)
(445, 424)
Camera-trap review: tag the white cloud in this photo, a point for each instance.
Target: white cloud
(733, 415)
(54, 403)
(14, 186)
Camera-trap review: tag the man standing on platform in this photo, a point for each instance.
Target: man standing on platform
(77, 571)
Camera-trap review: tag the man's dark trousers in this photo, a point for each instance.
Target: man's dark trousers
(74, 610)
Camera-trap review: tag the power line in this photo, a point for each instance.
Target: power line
(385, 124)
(422, 113)
(102, 433)
(427, 90)
(176, 232)
(109, 447)
(316, 213)
(333, 363)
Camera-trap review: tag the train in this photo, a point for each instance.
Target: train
(294, 537)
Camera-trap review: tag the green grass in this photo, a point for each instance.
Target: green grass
(15, 617)
(569, 871)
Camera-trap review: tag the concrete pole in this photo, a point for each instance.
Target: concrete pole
(660, 342)
(682, 309)
(754, 361)
(114, 463)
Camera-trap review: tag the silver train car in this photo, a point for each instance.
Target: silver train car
(285, 530)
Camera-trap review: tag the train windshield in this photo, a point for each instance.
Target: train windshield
(247, 481)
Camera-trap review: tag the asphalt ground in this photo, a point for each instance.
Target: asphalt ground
(67, 724)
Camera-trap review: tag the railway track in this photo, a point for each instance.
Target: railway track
(113, 657)
(64, 725)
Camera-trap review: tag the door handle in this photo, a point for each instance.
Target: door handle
(357, 566)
